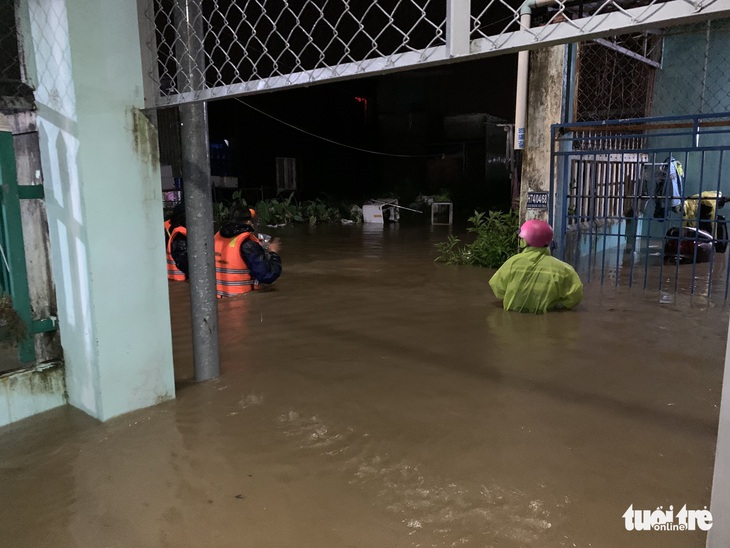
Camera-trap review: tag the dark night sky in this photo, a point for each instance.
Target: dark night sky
(331, 110)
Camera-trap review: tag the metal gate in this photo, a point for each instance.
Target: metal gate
(640, 202)
(13, 267)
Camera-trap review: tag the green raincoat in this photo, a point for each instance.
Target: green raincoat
(708, 199)
(534, 281)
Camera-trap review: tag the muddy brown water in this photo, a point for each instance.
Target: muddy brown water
(374, 398)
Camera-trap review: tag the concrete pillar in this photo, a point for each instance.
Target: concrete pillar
(101, 175)
(545, 107)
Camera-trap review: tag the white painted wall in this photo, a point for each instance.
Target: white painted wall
(31, 391)
(102, 183)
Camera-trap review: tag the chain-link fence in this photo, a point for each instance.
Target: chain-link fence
(215, 48)
(669, 72)
(664, 72)
(245, 41)
(14, 95)
(495, 21)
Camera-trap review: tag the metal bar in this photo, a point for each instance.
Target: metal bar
(658, 122)
(665, 205)
(705, 65)
(702, 119)
(635, 208)
(15, 250)
(598, 139)
(719, 175)
(648, 237)
(621, 195)
(46, 325)
(592, 216)
(606, 170)
(552, 204)
(4, 265)
(458, 14)
(667, 14)
(426, 57)
(702, 184)
(148, 47)
(627, 52)
(31, 192)
(198, 197)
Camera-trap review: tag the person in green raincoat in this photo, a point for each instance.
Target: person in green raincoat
(533, 280)
(702, 208)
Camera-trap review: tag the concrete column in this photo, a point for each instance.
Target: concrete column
(545, 107)
(99, 155)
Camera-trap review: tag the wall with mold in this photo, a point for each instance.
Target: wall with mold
(101, 176)
(29, 392)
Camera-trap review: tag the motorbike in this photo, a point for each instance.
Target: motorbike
(703, 233)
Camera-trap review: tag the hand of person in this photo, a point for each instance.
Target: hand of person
(275, 245)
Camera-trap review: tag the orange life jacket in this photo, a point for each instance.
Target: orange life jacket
(173, 273)
(232, 276)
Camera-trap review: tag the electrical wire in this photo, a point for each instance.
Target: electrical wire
(365, 150)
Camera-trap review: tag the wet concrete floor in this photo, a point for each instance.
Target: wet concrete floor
(374, 398)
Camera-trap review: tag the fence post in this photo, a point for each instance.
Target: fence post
(197, 193)
(458, 30)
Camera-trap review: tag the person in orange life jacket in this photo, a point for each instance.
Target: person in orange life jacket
(173, 220)
(242, 263)
(177, 247)
(168, 229)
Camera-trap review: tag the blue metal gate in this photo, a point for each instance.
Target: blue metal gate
(640, 202)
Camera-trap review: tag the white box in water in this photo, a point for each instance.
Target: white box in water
(380, 211)
(372, 213)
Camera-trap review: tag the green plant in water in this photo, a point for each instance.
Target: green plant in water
(283, 211)
(495, 242)
(442, 196)
(222, 209)
(277, 211)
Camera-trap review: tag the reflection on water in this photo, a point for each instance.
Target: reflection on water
(373, 397)
(669, 279)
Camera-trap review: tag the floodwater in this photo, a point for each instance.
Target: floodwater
(374, 398)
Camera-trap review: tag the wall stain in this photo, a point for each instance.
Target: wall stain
(145, 137)
(43, 379)
(27, 392)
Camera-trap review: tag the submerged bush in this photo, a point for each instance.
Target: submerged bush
(283, 211)
(495, 242)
